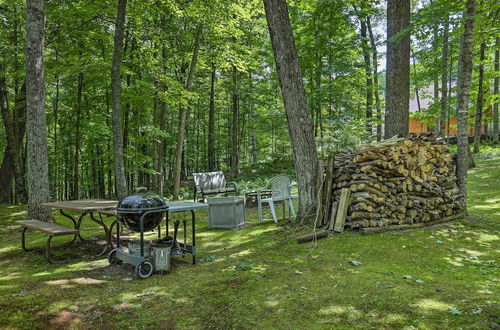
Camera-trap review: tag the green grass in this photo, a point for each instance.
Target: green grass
(440, 277)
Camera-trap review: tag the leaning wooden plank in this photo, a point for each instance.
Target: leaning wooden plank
(328, 195)
(445, 219)
(374, 230)
(345, 196)
(333, 214)
(311, 236)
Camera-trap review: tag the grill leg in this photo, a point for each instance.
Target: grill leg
(194, 236)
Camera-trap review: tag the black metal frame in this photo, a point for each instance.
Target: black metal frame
(78, 224)
(47, 245)
(184, 247)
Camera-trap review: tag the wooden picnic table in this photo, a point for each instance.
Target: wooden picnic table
(86, 207)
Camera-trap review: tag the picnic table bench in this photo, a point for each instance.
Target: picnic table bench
(50, 228)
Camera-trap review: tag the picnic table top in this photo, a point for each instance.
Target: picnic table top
(82, 205)
(185, 206)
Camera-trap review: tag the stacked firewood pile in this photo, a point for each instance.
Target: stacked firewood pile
(394, 182)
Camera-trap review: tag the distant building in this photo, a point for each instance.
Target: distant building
(420, 124)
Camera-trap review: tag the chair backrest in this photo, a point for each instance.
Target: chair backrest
(209, 181)
(280, 185)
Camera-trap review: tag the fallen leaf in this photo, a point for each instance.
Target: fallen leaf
(454, 311)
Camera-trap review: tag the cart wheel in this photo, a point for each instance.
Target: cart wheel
(113, 260)
(144, 270)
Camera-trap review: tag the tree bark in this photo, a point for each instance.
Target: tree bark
(495, 91)
(375, 79)
(211, 124)
(38, 162)
(479, 106)
(398, 69)
(444, 80)
(182, 118)
(121, 183)
(463, 93)
(300, 124)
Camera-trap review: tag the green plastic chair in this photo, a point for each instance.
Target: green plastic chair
(280, 188)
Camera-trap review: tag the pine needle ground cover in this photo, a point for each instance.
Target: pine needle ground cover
(258, 277)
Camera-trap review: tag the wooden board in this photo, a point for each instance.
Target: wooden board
(345, 196)
(333, 214)
(50, 228)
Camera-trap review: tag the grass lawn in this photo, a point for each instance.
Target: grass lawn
(439, 277)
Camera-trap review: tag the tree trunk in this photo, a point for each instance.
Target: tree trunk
(12, 165)
(254, 149)
(480, 92)
(495, 91)
(436, 76)
(444, 80)
(211, 124)
(375, 78)
(417, 92)
(300, 124)
(463, 93)
(38, 162)
(121, 183)
(76, 169)
(182, 118)
(398, 69)
(369, 86)
(235, 124)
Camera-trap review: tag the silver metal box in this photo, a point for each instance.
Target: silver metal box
(226, 212)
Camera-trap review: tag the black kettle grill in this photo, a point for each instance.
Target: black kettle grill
(139, 213)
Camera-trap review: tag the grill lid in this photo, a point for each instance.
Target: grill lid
(131, 208)
(141, 202)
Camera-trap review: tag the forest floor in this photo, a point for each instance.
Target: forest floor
(258, 277)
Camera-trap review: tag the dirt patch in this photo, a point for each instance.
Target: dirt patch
(67, 319)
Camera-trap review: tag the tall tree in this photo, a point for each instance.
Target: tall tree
(463, 93)
(398, 68)
(375, 77)
(479, 104)
(300, 124)
(368, 74)
(444, 81)
(235, 124)
(495, 90)
(211, 123)
(121, 182)
(188, 84)
(37, 154)
(12, 165)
